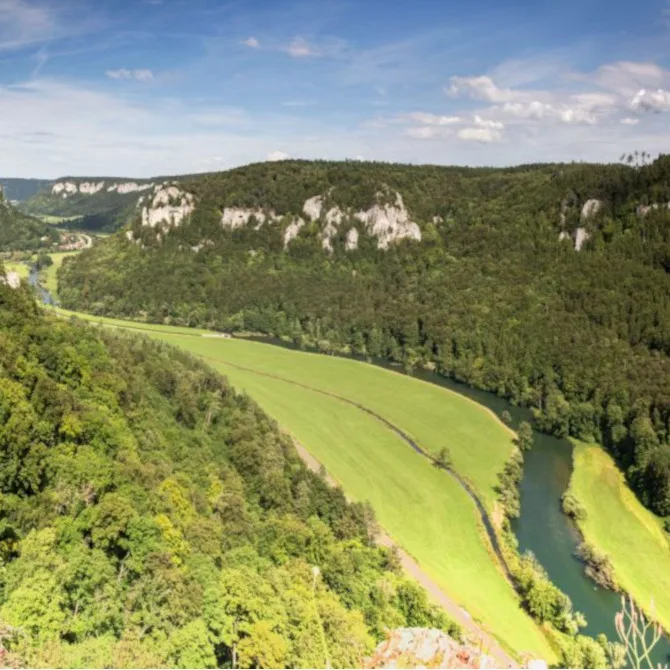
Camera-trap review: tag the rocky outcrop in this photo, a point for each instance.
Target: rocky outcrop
(590, 209)
(389, 223)
(313, 207)
(351, 242)
(68, 188)
(581, 237)
(170, 206)
(11, 279)
(89, 188)
(64, 188)
(236, 217)
(292, 230)
(643, 210)
(426, 648)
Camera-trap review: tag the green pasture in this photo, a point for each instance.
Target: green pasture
(421, 507)
(424, 509)
(618, 524)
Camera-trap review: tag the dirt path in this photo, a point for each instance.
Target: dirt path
(488, 644)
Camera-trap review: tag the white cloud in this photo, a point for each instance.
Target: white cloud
(252, 43)
(479, 88)
(484, 135)
(277, 156)
(300, 48)
(628, 121)
(488, 123)
(138, 75)
(651, 101)
(434, 119)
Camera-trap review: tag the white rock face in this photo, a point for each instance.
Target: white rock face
(327, 235)
(130, 187)
(351, 242)
(581, 236)
(11, 279)
(64, 187)
(335, 216)
(564, 236)
(389, 223)
(590, 209)
(292, 231)
(313, 207)
(201, 245)
(89, 188)
(236, 217)
(170, 205)
(129, 235)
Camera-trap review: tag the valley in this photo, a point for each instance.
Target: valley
(261, 287)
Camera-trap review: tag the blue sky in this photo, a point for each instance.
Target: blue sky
(146, 87)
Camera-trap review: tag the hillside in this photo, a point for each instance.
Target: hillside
(546, 284)
(100, 203)
(153, 517)
(22, 189)
(19, 231)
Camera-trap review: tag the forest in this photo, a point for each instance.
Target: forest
(150, 516)
(490, 296)
(20, 232)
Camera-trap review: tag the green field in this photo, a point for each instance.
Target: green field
(22, 269)
(48, 275)
(618, 524)
(424, 509)
(435, 417)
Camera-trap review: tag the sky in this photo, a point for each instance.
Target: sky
(138, 88)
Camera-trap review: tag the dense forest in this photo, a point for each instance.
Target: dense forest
(150, 516)
(19, 231)
(490, 295)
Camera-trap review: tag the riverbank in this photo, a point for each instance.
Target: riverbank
(617, 524)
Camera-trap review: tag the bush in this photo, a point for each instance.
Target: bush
(572, 507)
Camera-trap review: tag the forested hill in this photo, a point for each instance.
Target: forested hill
(547, 284)
(152, 517)
(19, 231)
(22, 189)
(98, 203)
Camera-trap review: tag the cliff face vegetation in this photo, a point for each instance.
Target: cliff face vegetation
(150, 516)
(545, 284)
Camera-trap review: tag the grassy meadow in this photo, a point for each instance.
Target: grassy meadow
(434, 417)
(618, 524)
(422, 508)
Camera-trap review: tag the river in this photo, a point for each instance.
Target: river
(542, 527)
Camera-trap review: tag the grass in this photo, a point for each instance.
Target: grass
(618, 524)
(22, 268)
(433, 416)
(56, 220)
(421, 507)
(48, 275)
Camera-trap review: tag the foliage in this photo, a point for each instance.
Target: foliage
(443, 459)
(150, 516)
(490, 297)
(525, 436)
(572, 507)
(598, 565)
(19, 231)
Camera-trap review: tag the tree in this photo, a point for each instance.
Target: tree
(443, 459)
(524, 436)
(506, 418)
